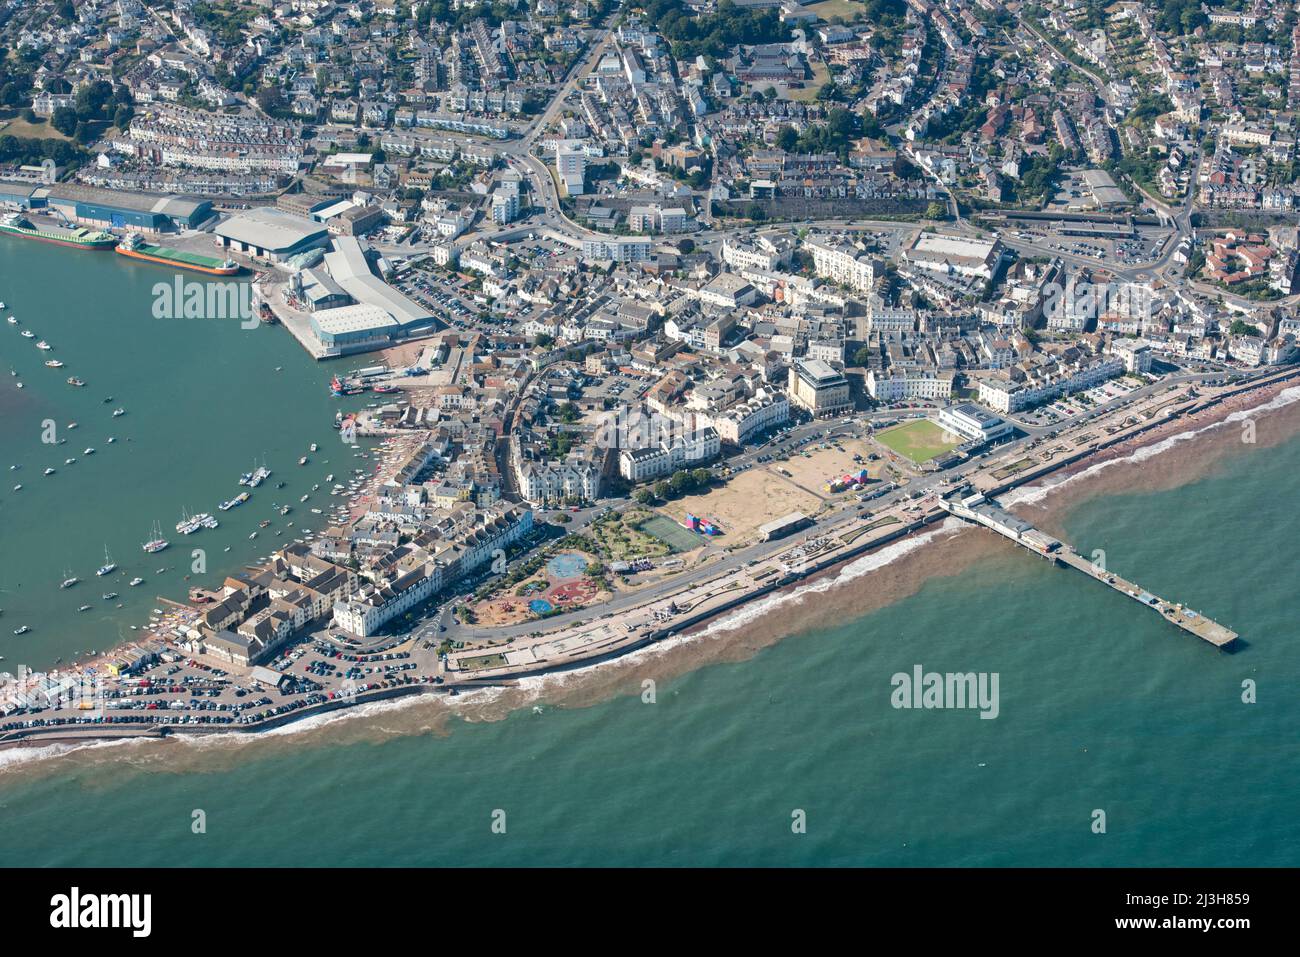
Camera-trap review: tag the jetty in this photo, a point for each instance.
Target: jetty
(981, 510)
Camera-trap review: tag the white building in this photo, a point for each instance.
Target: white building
(679, 452)
(909, 385)
(766, 410)
(972, 423)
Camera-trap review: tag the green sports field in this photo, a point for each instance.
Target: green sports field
(919, 441)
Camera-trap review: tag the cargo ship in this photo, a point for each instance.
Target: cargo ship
(17, 225)
(137, 248)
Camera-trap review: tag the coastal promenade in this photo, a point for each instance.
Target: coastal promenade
(496, 659)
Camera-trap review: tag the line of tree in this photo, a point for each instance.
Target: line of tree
(712, 34)
(25, 151)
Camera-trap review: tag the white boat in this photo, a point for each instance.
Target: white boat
(28, 334)
(11, 320)
(88, 451)
(49, 471)
(313, 447)
(118, 412)
(303, 460)
(18, 488)
(136, 581)
(109, 565)
(44, 346)
(54, 363)
(84, 608)
(23, 630)
(157, 543)
(69, 581)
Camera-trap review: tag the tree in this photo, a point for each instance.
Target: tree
(92, 98)
(786, 138)
(64, 120)
(270, 100)
(644, 496)
(662, 490)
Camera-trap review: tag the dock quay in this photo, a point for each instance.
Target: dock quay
(982, 511)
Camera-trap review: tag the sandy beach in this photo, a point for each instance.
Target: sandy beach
(1174, 454)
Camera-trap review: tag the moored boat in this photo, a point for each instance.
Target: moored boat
(15, 224)
(137, 248)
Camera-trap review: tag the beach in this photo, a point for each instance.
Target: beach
(1163, 458)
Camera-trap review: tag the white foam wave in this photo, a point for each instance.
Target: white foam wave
(1032, 494)
(752, 611)
(11, 758)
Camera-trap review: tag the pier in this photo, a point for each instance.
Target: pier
(982, 511)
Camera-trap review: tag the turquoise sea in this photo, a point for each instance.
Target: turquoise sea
(203, 403)
(1102, 705)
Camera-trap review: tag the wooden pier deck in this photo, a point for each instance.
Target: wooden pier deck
(986, 513)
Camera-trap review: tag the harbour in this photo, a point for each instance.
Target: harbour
(173, 447)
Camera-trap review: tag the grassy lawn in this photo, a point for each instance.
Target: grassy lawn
(1009, 470)
(624, 540)
(881, 522)
(919, 441)
(821, 73)
(837, 8)
(13, 124)
(483, 661)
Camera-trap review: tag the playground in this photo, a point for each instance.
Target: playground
(563, 584)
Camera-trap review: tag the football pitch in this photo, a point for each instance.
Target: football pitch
(918, 441)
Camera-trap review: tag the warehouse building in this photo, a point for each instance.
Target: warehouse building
(118, 209)
(956, 255)
(349, 268)
(20, 195)
(351, 326)
(271, 234)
